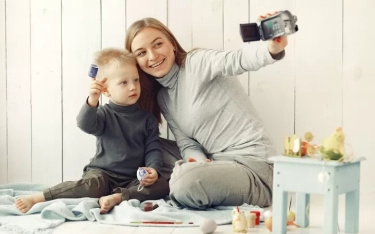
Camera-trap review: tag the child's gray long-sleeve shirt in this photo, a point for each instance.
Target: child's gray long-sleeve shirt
(208, 111)
(127, 137)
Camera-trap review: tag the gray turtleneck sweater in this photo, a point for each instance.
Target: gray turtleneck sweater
(127, 137)
(208, 111)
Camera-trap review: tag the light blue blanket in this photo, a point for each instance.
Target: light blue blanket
(45, 216)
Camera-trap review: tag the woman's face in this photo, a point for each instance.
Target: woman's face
(154, 52)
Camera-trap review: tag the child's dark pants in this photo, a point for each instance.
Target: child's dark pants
(96, 183)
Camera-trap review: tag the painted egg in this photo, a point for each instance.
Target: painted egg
(268, 223)
(267, 214)
(208, 226)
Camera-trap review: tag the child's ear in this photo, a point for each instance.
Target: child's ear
(106, 92)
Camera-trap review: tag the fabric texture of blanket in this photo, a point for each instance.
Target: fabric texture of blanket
(45, 216)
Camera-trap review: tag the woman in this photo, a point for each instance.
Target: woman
(221, 139)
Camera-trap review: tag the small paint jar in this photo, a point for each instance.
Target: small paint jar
(257, 213)
(93, 71)
(147, 206)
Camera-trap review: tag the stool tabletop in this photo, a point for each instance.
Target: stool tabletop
(309, 160)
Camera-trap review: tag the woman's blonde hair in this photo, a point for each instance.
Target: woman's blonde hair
(150, 87)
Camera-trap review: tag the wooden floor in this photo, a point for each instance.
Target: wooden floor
(367, 222)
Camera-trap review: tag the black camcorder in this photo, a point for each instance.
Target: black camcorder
(282, 23)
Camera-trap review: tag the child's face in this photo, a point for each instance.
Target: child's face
(123, 85)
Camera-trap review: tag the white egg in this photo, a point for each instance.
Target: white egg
(267, 214)
(208, 226)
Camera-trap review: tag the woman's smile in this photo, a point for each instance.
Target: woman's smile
(156, 65)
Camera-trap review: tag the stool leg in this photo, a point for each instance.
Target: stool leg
(302, 209)
(331, 203)
(279, 207)
(352, 211)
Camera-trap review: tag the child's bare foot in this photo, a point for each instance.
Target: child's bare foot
(108, 202)
(25, 203)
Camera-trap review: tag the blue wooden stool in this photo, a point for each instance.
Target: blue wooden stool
(307, 176)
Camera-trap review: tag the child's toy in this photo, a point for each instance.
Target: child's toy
(333, 146)
(208, 226)
(239, 221)
(141, 174)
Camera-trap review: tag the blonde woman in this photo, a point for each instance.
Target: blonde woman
(222, 141)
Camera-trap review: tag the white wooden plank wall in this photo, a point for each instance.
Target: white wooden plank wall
(3, 103)
(359, 83)
(319, 68)
(182, 29)
(81, 38)
(113, 27)
(46, 99)
(46, 47)
(272, 88)
(18, 83)
(235, 12)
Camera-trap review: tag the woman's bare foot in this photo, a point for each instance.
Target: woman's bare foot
(108, 202)
(25, 203)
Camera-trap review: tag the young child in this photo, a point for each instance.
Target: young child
(127, 138)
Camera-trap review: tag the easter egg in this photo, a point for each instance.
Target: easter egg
(291, 217)
(268, 223)
(267, 214)
(208, 226)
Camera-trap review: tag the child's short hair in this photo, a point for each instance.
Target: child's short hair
(112, 58)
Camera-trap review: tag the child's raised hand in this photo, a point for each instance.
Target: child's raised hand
(276, 45)
(151, 178)
(96, 88)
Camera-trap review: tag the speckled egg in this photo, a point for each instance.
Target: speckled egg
(208, 226)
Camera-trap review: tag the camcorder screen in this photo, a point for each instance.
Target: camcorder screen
(273, 28)
(250, 32)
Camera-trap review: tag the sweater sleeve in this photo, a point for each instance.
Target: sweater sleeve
(153, 153)
(189, 147)
(208, 64)
(91, 120)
